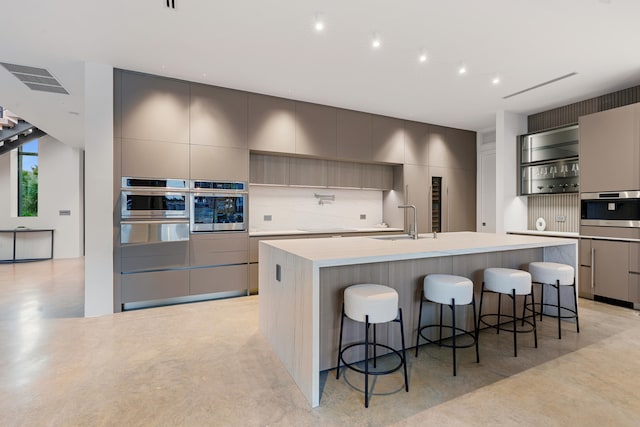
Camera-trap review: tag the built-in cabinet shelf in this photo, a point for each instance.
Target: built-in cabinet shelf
(549, 162)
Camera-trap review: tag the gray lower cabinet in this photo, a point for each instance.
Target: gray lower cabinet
(611, 269)
(154, 256)
(585, 281)
(219, 163)
(416, 181)
(253, 278)
(212, 249)
(156, 285)
(154, 108)
(457, 198)
(154, 159)
(228, 278)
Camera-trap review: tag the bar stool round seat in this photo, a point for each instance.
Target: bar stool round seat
(371, 304)
(379, 302)
(512, 283)
(452, 291)
(504, 280)
(557, 276)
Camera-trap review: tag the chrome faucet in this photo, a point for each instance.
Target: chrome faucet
(415, 220)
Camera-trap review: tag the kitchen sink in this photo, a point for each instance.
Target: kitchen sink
(401, 237)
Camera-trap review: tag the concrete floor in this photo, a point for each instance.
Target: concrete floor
(206, 364)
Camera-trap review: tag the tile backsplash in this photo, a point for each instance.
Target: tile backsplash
(561, 212)
(293, 208)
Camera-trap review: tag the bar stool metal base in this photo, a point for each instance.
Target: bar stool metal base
(401, 354)
(573, 312)
(512, 319)
(454, 332)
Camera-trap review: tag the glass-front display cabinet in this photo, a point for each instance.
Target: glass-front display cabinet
(549, 162)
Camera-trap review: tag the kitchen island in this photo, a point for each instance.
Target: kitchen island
(302, 281)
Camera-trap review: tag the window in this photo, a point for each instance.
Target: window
(28, 179)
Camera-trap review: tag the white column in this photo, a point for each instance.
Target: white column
(98, 136)
(511, 209)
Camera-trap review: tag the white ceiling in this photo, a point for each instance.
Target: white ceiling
(271, 47)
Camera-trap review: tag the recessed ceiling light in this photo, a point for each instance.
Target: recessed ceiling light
(376, 42)
(462, 69)
(422, 57)
(495, 80)
(318, 24)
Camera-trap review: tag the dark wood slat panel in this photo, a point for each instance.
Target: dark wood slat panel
(568, 114)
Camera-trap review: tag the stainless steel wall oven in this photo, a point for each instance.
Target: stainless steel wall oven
(154, 198)
(218, 206)
(154, 210)
(610, 209)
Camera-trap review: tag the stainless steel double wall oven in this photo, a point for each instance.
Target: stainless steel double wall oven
(154, 210)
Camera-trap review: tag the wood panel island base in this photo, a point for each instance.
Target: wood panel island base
(302, 282)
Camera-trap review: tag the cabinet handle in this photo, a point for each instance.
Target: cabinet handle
(593, 267)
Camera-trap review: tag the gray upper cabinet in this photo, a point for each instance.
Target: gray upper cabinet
(344, 174)
(610, 150)
(155, 108)
(416, 149)
(152, 159)
(315, 130)
(219, 163)
(452, 148)
(218, 116)
(354, 135)
(462, 149)
(378, 177)
(272, 124)
(310, 172)
(387, 140)
(264, 169)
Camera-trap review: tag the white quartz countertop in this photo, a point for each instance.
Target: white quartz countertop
(566, 234)
(323, 230)
(357, 250)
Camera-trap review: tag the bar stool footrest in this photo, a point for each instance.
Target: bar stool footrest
(464, 333)
(355, 368)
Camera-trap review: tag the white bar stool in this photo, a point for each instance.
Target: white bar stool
(446, 289)
(557, 276)
(511, 282)
(371, 304)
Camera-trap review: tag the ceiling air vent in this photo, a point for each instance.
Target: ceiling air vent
(35, 78)
(566, 76)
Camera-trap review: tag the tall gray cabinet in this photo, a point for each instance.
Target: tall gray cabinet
(167, 128)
